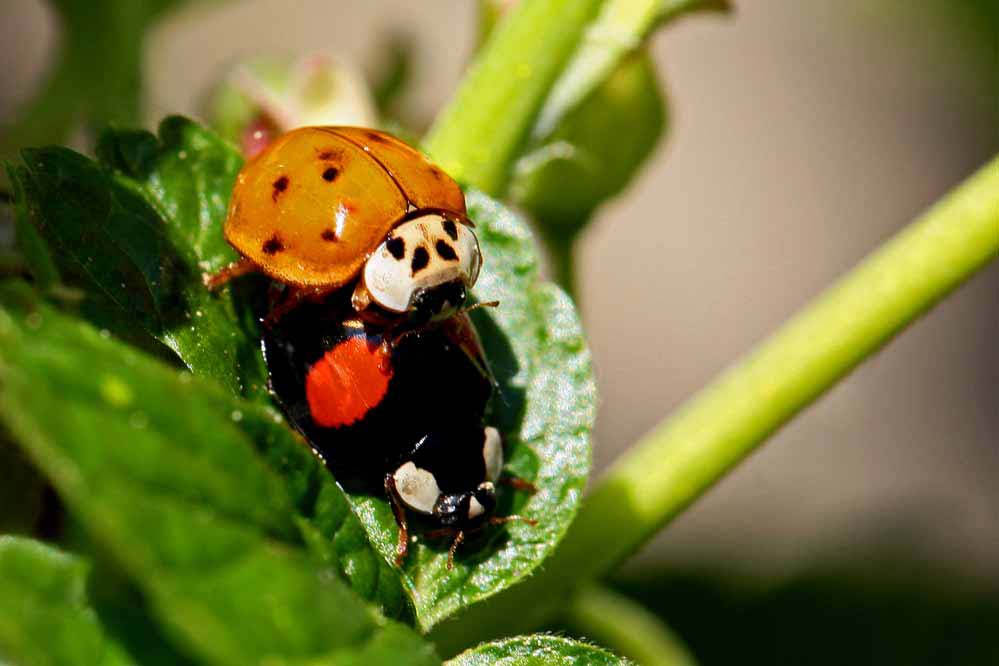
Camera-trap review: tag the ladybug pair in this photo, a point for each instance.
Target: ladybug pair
(369, 347)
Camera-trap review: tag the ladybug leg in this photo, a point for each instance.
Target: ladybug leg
(518, 484)
(458, 539)
(494, 520)
(215, 281)
(402, 545)
(293, 298)
(275, 292)
(476, 306)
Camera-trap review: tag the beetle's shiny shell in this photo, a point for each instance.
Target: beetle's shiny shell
(312, 207)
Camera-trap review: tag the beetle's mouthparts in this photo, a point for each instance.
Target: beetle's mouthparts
(442, 299)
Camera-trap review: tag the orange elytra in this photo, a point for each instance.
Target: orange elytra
(311, 208)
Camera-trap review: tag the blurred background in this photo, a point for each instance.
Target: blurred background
(802, 135)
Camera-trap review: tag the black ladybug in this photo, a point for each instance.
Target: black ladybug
(405, 415)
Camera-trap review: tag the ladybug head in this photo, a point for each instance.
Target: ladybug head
(466, 509)
(424, 269)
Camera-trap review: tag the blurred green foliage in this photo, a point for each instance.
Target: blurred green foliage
(45, 617)
(886, 609)
(96, 78)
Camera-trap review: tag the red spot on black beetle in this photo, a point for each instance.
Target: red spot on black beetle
(330, 174)
(346, 382)
(280, 185)
(330, 236)
(272, 245)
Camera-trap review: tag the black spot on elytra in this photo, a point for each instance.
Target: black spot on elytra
(397, 246)
(330, 174)
(450, 229)
(326, 155)
(280, 185)
(272, 245)
(436, 173)
(420, 259)
(445, 251)
(330, 236)
(377, 138)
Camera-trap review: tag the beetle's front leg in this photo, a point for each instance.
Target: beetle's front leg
(402, 545)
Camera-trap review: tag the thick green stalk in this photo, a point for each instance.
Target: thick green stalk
(480, 133)
(626, 627)
(675, 463)
(679, 460)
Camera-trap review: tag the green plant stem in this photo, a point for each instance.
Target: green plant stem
(626, 627)
(480, 133)
(685, 455)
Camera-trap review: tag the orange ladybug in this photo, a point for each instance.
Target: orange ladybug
(325, 207)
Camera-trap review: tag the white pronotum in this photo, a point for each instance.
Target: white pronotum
(417, 255)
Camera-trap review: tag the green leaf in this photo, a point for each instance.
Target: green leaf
(544, 407)
(600, 123)
(30, 245)
(617, 32)
(594, 151)
(96, 77)
(171, 486)
(537, 650)
(137, 235)
(45, 617)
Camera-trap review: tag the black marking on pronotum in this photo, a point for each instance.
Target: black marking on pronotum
(420, 259)
(445, 251)
(329, 235)
(397, 246)
(330, 174)
(450, 228)
(280, 185)
(272, 245)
